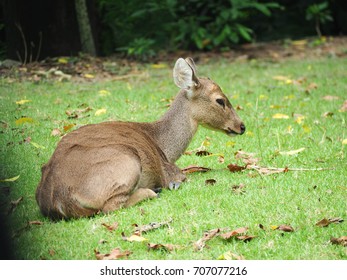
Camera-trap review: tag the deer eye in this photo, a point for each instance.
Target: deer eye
(220, 102)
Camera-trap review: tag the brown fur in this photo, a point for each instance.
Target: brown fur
(103, 167)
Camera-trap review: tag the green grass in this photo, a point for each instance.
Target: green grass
(297, 198)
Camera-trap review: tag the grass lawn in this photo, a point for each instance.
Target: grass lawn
(292, 111)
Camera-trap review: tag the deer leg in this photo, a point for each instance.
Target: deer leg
(139, 195)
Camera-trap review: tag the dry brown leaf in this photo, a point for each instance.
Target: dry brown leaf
(310, 87)
(194, 168)
(151, 226)
(68, 127)
(247, 158)
(285, 228)
(238, 189)
(210, 182)
(166, 247)
(115, 254)
(78, 113)
(233, 233)
(245, 238)
(37, 223)
(56, 132)
(235, 167)
(201, 243)
(112, 227)
(325, 222)
(327, 114)
(339, 241)
(202, 153)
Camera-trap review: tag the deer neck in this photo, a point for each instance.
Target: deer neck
(176, 128)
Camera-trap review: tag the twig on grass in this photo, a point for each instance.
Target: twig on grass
(273, 170)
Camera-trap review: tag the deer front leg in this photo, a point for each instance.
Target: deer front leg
(139, 195)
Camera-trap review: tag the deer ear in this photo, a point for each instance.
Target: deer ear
(192, 65)
(184, 73)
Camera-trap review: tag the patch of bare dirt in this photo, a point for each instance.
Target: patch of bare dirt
(91, 69)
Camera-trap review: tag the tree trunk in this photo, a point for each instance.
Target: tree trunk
(86, 36)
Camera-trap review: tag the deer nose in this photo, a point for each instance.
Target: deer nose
(243, 128)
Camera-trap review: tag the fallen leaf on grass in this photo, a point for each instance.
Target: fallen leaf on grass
(202, 153)
(201, 243)
(325, 222)
(151, 226)
(14, 204)
(115, 254)
(78, 113)
(327, 114)
(280, 116)
(247, 158)
(112, 227)
(238, 189)
(330, 97)
(56, 132)
(344, 107)
(310, 87)
(230, 234)
(100, 112)
(293, 152)
(298, 118)
(134, 238)
(10, 179)
(194, 168)
(166, 247)
(24, 120)
(261, 227)
(339, 241)
(230, 256)
(210, 182)
(89, 76)
(23, 101)
(277, 106)
(36, 223)
(104, 92)
(285, 228)
(68, 127)
(37, 146)
(246, 238)
(235, 167)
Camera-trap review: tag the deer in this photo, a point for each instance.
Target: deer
(103, 167)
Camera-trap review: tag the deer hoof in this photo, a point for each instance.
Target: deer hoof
(174, 185)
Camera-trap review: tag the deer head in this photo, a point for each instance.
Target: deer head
(208, 104)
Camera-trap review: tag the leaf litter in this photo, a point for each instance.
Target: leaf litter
(326, 222)
(229, 235)
(339, 241)
(115, 254)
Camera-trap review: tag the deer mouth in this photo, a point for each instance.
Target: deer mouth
(231, 132)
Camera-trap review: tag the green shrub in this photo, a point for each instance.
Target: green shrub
(139, 29)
